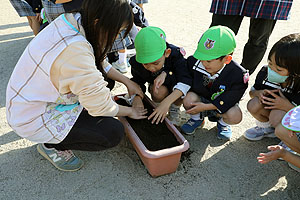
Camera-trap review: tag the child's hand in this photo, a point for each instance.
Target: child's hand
(261, 93)
(197, 107)
(279, 102)
(137, 102)
(291, 134)
(134, 88)
(38, 17)
(159, 81)
(160, 112)
(276, 152)
(138, 113)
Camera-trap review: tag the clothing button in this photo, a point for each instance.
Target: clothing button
(221, 103)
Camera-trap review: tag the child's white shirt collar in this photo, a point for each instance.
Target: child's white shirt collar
(216, 75)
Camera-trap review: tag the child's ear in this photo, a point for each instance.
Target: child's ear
(167, 52)
(228, 59)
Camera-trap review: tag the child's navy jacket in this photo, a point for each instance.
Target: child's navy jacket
(261, 83)
(175, 67)
(227, 88)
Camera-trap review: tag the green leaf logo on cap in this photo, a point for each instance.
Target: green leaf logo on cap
(217, 41)
(150, 44)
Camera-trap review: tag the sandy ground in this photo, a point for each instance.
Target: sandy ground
(213, 169)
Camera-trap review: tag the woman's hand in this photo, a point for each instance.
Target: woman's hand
(279, 102)
(160, 112)
(276, 152)
(159, 81)
(138, 113)
(134, 88)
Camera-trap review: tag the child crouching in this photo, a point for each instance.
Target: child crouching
(218, 83)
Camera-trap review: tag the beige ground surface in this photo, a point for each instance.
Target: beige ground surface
(213, 170)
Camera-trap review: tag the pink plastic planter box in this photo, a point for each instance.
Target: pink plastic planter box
(164, 161)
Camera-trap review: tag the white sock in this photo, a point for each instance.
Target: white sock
(221, 121)
(122, 57)
(262, 124)
(196, 116)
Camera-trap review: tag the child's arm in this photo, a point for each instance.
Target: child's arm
(278, 152)
(160, 112)
(198, 107)
(159, 80)
(132, 87)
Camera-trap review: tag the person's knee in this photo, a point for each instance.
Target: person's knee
(281, 132)
(188, 99)
(160, 95)
(233, 115)
(275, 117)
(115, 132)
(253, 106)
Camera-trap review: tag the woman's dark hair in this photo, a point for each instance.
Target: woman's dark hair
(287, 55)
(102, 21)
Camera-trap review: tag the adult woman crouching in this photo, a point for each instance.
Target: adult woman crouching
(57, 95)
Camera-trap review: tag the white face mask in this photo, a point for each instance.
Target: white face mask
(275, 77)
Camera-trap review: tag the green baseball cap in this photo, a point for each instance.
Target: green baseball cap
(217, 41)
(150, 44)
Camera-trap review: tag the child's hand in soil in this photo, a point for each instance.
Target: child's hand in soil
(160, 112)
(276, 152)
(138, 113)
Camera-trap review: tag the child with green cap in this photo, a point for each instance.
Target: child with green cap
(218, 83)
(163, 66)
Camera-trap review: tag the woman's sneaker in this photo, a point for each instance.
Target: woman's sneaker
(258, 133)
(191, 125)
(224, 132)
(62, 160)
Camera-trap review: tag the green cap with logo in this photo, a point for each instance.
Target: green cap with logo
(150, 44)
(217, 41)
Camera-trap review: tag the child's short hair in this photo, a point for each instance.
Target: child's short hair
(216, 42)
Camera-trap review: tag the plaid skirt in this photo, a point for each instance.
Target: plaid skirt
(22, 7)
(121, 42)
(140, 1)
(52, 10)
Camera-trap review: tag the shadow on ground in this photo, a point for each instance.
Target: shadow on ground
(106, 172)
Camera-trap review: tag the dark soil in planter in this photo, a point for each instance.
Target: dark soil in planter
(154, 136)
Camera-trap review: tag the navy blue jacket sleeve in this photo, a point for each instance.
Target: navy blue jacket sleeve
(136, 75)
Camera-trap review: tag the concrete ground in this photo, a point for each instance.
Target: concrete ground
(212, 169)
